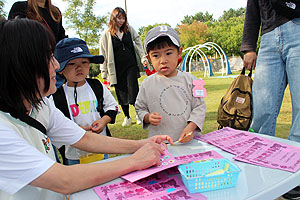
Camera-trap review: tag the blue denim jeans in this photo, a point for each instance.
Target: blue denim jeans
(278, 64)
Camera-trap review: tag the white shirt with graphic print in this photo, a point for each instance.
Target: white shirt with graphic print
(86, 112)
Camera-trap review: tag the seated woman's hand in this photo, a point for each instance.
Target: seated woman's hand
(146, 156)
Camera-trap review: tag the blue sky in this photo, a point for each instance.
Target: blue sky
(144, 13)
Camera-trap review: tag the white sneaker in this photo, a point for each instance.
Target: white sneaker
(127, 121)
(138, 121)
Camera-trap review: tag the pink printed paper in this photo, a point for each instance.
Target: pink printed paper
(254, 149)
(103, 191)
(199, 156)
(178, 194)
(167, 161)
(165, 188)
(133, 193)
(273, 155)
(225, 132)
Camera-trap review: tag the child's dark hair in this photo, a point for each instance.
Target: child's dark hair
(160, 43)
(26, 48)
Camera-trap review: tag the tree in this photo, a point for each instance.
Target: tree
(228, 34)
(199, 17)
(94, 68)
(232, 13)
(192, 34)
(2, 13)
(81, 18)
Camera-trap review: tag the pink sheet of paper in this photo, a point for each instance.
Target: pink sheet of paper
(167, 161)
(167, 187)
(194, 157)
(255, 149)
(164, 189)
(199, 156)
(155, 183)
(132, 193)
(103, 191)
(273, 155)
(225, 132)
(237, 143)
(178, 194)
(238, 146)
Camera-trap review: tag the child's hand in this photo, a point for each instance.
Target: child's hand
(145, 63)
(155, 118)
(186, 137)
(98, 126)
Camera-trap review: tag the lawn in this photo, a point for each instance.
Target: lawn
(216, 88)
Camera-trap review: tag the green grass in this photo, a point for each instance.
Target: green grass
(216, 88)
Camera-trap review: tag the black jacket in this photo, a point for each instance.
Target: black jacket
(19, 9)
(259, 13)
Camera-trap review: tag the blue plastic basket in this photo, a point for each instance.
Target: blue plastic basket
(198, 177)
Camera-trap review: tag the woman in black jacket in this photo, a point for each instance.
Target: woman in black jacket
(42, 11)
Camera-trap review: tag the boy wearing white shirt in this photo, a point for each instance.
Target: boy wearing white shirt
(84, 107)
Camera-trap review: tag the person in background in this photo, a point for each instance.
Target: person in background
(83, 108)
(42, 11)
(147, 70)
(122, 49)
(165, 101)
(276, 65)
(30, 123)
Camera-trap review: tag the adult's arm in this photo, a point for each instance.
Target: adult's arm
(61, 130)
(62, 32)
(251, 26)
(22, 164)
(37, 169)
(250, 33)
(70, 179)
(138, 46)
(103, 50)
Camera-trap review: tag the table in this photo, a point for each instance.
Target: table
(254, 182)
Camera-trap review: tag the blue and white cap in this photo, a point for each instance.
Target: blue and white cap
(70, 48)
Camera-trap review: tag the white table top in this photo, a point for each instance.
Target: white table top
(254, 182)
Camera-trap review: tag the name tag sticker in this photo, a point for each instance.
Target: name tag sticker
(240, 100)
(200, 93)
(199, 90)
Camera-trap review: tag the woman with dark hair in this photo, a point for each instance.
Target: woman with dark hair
(123, 52)
(42, 11)
(49, 15)
(30, 123)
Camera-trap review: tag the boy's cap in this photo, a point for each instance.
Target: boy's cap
(159, 31)
(71, 48)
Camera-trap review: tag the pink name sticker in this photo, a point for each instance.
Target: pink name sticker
(199, 90)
